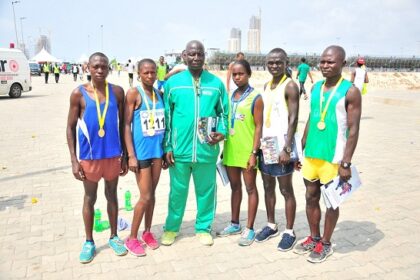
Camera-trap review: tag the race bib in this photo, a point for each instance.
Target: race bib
(147, 125)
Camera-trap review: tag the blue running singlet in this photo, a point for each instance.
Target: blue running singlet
(90, 145)
(148, 146)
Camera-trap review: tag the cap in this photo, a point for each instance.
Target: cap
(361, 60)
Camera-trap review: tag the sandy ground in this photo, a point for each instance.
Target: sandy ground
(41, 227)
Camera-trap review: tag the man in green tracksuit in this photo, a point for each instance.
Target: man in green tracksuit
(193, 99)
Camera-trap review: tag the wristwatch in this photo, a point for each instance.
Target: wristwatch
(287, 149)
(345, 165)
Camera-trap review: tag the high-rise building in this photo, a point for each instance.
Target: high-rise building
(254, 34)
(234, 43)
(43, 42)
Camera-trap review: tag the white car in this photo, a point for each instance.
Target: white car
(15, 76)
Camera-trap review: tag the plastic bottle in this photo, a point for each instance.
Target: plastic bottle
(97, 220)
(128, 206)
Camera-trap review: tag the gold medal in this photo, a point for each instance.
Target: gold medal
(321, 125)
(150, 132)
(101, 132)
(231, 131)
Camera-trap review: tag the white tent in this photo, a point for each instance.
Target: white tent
(44, 56)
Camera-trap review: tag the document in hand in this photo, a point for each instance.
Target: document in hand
(336, 192)
(270, 147)
(221, 170)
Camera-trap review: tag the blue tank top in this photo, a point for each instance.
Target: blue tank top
(91, 146)
(146, 146)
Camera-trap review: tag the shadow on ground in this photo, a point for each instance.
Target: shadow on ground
(14, 201)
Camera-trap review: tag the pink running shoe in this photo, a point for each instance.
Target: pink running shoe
(150, 240)
(134, 247)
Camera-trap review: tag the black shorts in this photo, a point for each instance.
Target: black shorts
(145, 163)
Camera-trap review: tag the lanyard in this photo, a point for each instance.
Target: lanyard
(324, 112)
(268, 120)
(235, 104)
(151, 114)
(101, 117)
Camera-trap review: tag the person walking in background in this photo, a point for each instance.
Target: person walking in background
(162, 69)
(303, 71)
(143, 134)
(46, 70)
(96, 117)
(194, 99)
(130, 71)
(281, 111)
(241, 148)
(56, 72)
(359, 76)
(75, 71)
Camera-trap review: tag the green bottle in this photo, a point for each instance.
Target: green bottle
(128, 206)
(97, 221)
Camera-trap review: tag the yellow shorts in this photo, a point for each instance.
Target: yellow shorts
(314, 169)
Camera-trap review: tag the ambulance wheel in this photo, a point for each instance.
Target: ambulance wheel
(15, 91)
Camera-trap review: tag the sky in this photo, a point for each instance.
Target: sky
(139, 29)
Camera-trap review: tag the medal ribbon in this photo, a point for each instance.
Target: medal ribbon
(268, 120)
(152, 115)
(235, 104)
(324, 112)
(101, 118)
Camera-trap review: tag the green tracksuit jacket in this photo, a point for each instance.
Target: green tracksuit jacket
(184, 105)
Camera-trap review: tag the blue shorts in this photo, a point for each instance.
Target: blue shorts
(160, 84)
(276, 169)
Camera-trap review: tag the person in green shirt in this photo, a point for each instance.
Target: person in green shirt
(303, 71)
(329, 141)
(240, 150)
(162, 69)
(194, 99)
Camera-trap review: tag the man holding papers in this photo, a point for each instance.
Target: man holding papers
(329, 142)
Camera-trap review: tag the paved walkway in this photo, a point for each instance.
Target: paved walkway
(376, 236)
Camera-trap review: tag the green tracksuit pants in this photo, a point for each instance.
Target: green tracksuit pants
(204, 177)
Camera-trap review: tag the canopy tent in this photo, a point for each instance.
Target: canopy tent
(44, 56)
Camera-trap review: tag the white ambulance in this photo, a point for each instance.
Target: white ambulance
(15, 75)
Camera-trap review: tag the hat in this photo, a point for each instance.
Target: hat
(361, 60)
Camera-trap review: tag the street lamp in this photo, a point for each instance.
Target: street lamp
(21, 29)
(102, 37)
(14, 19)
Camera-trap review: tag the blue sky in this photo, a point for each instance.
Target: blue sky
(149, 28)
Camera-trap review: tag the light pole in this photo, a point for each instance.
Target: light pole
(102, 37)
(21, 29)
(14, 19)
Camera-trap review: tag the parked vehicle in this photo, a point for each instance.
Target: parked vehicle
(35, 68)
(15, 75)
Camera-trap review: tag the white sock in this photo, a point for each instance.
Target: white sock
(289, 231)
(272, 226)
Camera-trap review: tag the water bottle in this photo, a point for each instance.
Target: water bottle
(128, 206)
(97, 220)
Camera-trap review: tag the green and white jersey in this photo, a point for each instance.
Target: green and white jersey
(328, 144)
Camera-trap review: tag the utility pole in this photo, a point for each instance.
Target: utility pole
(21, 29)
(14, 20)
(102, 37)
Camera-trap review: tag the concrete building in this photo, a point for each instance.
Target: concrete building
(254, 34)
(43, 42)
(234, 43)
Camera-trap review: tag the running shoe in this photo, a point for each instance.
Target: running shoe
(231, 229)
(247, 237)
(205, 238)
(266, 233)
(320, 253)
(116, 244)
(134, 247)
(287, 242)
(168, 238)
(150, 240)
(306, 246)
(88, 252)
